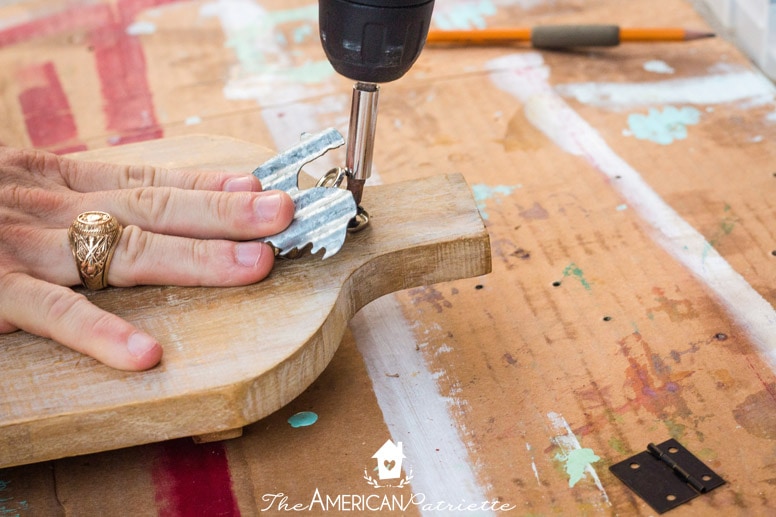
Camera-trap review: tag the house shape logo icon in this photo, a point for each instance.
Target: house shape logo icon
(389, 458)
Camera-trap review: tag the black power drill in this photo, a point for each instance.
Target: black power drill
(370, 41)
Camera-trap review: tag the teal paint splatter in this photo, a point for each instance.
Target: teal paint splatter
(577, 461)
(9, 506)
(663, 127)
(726, 226)
(469, 15)
(248, 28)
(302, 33)
(574, 270)
(303, 419)
(483, 193)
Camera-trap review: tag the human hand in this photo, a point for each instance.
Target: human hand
(180, 228)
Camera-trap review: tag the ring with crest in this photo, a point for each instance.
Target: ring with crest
(93, 237)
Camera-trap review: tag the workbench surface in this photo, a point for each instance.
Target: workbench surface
(629, 197)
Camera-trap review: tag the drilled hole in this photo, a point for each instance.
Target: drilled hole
(635, 465)
(607, 318)
(720, 336)
(773, 253)
(556, 284)
(479, 286)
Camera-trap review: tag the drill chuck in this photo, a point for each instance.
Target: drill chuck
(374, 41)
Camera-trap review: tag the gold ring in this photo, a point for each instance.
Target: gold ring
(93, 237)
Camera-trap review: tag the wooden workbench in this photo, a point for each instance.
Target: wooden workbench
(628, 193)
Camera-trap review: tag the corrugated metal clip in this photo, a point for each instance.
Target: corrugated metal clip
(322, 213)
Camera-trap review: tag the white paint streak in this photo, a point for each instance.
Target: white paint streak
(750, 87)
(533, 464)
(140, 27)
(414, 410)
(658, 67)
(567, 441)
(526, 77)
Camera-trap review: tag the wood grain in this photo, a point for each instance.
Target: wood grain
(232, 355)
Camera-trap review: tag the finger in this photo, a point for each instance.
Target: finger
(190, 213)
(83, 176)
(146, 258)
(68, 318)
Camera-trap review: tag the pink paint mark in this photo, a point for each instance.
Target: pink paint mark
(121, 67)
(78, 17)
(119, 60)
(193, 479)
(46, 109)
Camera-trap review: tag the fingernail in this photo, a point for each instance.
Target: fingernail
(249, 253)
(267, 206)
(241, 184)
(139, 344)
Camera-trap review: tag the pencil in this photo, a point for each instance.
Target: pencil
(568, 36)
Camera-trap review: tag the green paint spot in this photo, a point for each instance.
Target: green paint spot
(675, 430)
(303, 419)
(663, 127)
(308, 13)
(618, 445)
(726, 226)
(483, 193)
(707, 454)
(577, 461)
(574, 270)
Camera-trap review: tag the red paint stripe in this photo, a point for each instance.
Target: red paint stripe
(46, 109)
(121, 68)
(193, 479)
(79, 17)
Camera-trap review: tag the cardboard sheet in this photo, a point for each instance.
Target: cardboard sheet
(628, 197)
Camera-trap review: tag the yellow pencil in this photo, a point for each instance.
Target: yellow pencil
(567, 36)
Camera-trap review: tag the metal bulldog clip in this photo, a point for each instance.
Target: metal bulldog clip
(323, 213)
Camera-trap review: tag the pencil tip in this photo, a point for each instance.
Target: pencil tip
(690, 35)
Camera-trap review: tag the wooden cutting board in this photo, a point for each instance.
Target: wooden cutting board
(232, 355)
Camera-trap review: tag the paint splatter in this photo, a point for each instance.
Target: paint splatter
(266, 70)
(658, 67)
(193, 479)
(46, 108)
(663, 127)
(578, 460)
(431, 296)
(526, 77)
(676, 310)
(141, 27)
(747, 86)
(483, 193)
(303, 419)
(756, 413)
(651, 384)
(8, 503)
(537, 211)
(574, 271)
(469, 15)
